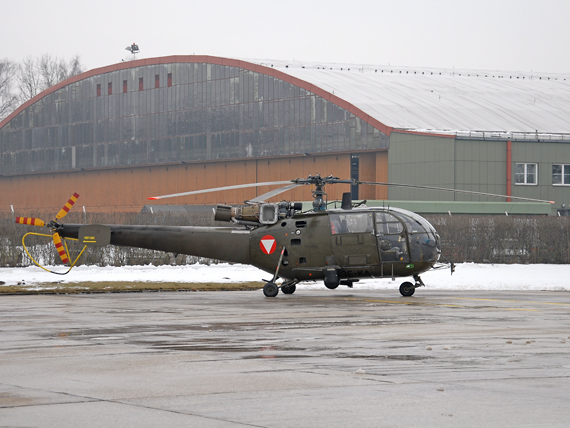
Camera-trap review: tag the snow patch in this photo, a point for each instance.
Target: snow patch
(468, 276)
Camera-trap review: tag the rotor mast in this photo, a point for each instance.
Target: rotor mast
(319, 203)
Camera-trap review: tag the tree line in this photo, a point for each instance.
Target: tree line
(22, 81)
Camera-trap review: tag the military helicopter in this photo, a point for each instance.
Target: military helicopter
(338, 246)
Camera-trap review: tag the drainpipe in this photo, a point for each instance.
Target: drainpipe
(509, 167)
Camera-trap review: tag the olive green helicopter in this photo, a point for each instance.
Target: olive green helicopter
(338, 246)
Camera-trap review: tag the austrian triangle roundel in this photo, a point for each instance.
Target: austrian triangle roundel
(268, 244)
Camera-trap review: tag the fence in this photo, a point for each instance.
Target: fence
(501, 239)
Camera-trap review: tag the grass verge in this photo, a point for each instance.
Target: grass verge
(125, 287)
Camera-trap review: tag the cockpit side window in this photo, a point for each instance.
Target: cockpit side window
(351, 223)
(391, 237)
(387, 224)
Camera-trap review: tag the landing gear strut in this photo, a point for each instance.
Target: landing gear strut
(407, 288)
(270, 289)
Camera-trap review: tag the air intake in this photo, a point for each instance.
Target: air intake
(346, 201)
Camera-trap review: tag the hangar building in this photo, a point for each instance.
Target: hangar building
(156, 126)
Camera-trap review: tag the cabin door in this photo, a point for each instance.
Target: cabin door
(353, 240)
(391, 236)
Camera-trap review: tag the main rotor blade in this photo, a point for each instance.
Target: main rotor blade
(219, 189)
(443, 189)
(265, 196)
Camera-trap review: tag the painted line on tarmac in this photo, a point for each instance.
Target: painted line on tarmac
(511, 301)
(410, 303)
(395, 302)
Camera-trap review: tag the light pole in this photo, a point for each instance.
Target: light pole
(134, 49)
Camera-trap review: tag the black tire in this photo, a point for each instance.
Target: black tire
(289, 289)
(407, 289)
(331, 286)
(270, 289)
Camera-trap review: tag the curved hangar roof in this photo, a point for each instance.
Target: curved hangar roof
(435, 100)
(412, 99)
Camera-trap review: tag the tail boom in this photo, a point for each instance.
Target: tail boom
(222, 243)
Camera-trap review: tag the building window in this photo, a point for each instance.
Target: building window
(124, 86)
(110, 89)
(526, 173)
(98, 89)
(156, 81)
(169, 80)
(140, 83)
(561, 174)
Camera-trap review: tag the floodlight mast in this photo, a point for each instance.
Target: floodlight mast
(134, 49)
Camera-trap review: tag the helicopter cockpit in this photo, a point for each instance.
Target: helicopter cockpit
(401, 235)
(423, 239)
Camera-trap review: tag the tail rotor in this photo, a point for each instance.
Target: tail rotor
(53, 225)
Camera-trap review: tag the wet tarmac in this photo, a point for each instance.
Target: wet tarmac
(313, 359)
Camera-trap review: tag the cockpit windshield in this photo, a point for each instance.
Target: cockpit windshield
(414, 222)
(419, 231)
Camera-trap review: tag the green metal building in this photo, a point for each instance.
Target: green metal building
(532, 168)
(494, 132)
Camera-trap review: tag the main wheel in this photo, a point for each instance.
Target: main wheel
(270, 289)
(289, 289)
(407, 289)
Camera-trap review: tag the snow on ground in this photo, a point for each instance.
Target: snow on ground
(467, 276)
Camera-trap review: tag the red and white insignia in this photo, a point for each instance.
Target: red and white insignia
(268, 244)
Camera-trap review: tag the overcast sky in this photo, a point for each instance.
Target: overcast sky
(507, 35)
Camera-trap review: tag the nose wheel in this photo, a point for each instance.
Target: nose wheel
(407, 289)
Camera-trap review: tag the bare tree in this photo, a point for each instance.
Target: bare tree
(74, 66)
(28, 78)
(36, 75)
(52, 70)
(8, 99)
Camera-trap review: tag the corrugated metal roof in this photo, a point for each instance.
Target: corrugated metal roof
(433, 100)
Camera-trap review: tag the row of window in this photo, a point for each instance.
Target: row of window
(156, 84)
(527, 173)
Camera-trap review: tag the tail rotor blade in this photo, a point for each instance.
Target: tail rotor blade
(63, 212)
(30, 221)
(60, 248)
